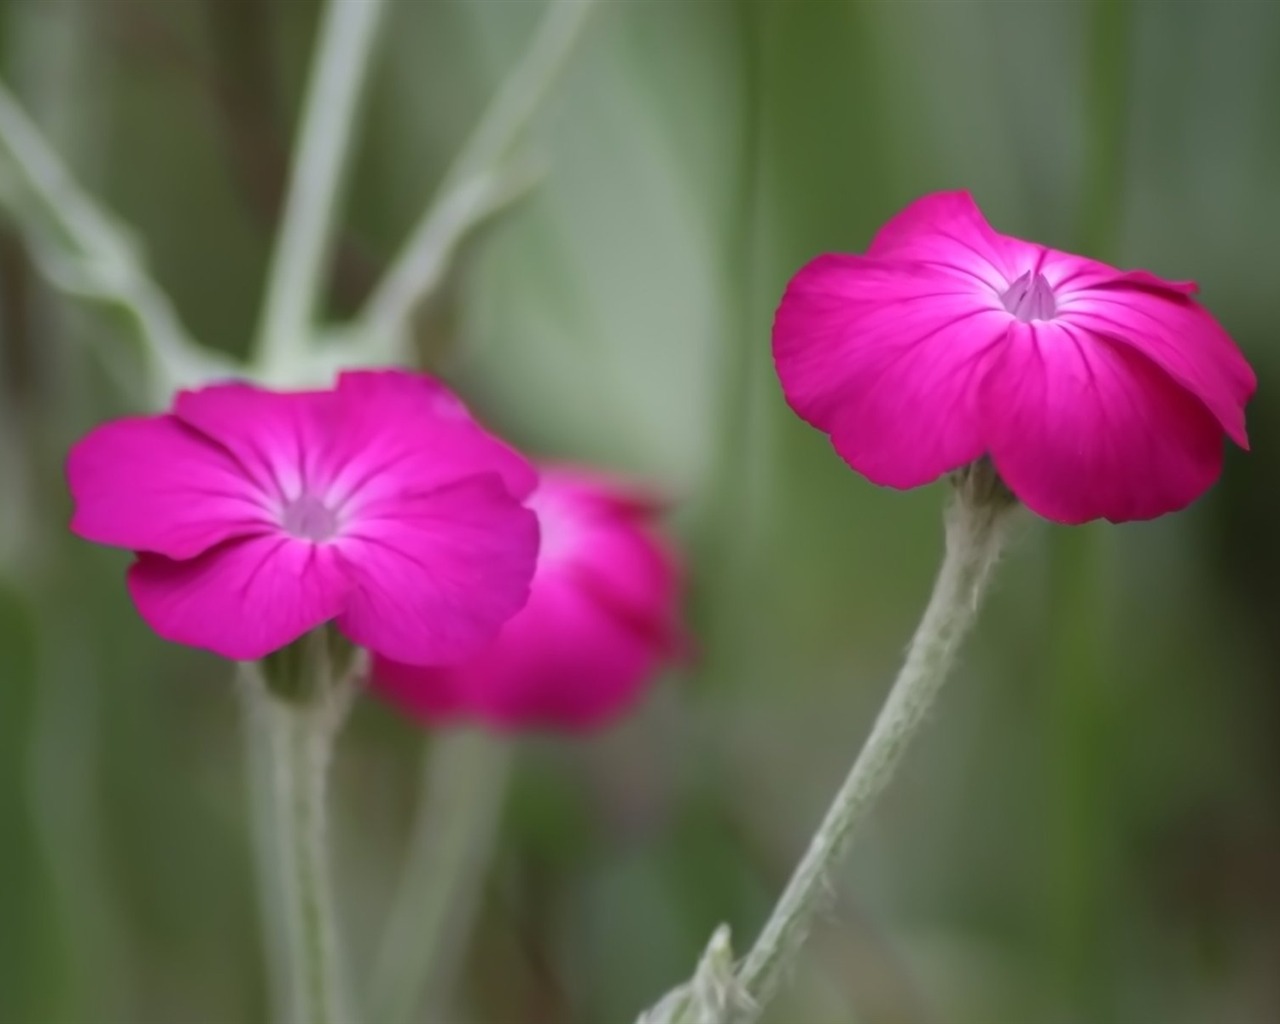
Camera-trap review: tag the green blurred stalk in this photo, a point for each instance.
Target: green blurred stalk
(1079, 821)
(729, 521)
(483, 179)
(463, 784)
(1107, 95)
(81, 954)
(321, 156)
(268, 862)
(292, 726)
(84, 252)
(1077, 649)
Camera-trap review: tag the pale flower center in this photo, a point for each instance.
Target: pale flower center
(309, 518)
(556, 526)
(1030, 298)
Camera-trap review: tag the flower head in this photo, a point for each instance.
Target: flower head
(259, 515)
(600, 621)
(1097, 392)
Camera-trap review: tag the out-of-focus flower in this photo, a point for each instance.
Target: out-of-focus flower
(259, 515)
(1097, 392)
(601, 620)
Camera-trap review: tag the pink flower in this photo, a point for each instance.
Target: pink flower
(259, 515)
(600, 621)
(1096, 392)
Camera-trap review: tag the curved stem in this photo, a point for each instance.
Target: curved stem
(83, 251)
(340, 68)
(737, 482)
(464, 781)
(975, 531)
(289, 750)
(479, 183)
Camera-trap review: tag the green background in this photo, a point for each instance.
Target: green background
(1087, 830)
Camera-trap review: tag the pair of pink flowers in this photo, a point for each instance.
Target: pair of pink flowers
(381, 506)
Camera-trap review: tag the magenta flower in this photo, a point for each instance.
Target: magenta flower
(259, 515)
(1096, 392)
(600, 621)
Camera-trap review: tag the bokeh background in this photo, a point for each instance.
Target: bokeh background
(1088, 830)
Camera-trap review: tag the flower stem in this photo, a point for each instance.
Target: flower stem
(320, 159)
(463, 785)
(975, 532)
(290, 743)
(481, 180)
(84, 252)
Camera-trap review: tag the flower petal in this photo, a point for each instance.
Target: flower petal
(153, 484)
(243, 599)
(887, 359)
(947, 230)
(436, 575)
(611, 496)
(401, 429)
(629, 573)
(1175, 333)
(1082, 429)
(564, 662)
(1146, 279)
(282, 439)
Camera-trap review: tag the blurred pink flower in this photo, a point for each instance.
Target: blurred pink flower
(259, 515)
(1096, 392)
(601, 620)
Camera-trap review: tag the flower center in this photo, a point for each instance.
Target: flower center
(309, 518)
(1030, 298)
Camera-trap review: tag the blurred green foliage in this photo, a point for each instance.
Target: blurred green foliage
(1063, 846)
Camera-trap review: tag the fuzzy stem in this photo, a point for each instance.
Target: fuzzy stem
(464, 782)
(289, 748)
(480, 181)
(321, 156)
(975, 532)
(82, 250)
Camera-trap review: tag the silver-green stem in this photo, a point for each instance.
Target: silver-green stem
(85, 252)
(320, 160)
(977, 523)
(480, 182)
(290, 744)
(462, 789)
(975, 532)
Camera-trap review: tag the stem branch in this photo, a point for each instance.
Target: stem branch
(464, 781)
(83, 251)
(974, 535)
(320, 161)
(976, 527)
(481, 180)
(290, 744)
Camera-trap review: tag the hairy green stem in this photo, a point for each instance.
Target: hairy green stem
(83, 251)
(975, 532)
(289, 746)
(320, 160)
(977, 522)
(480, 182)
(454, 826)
